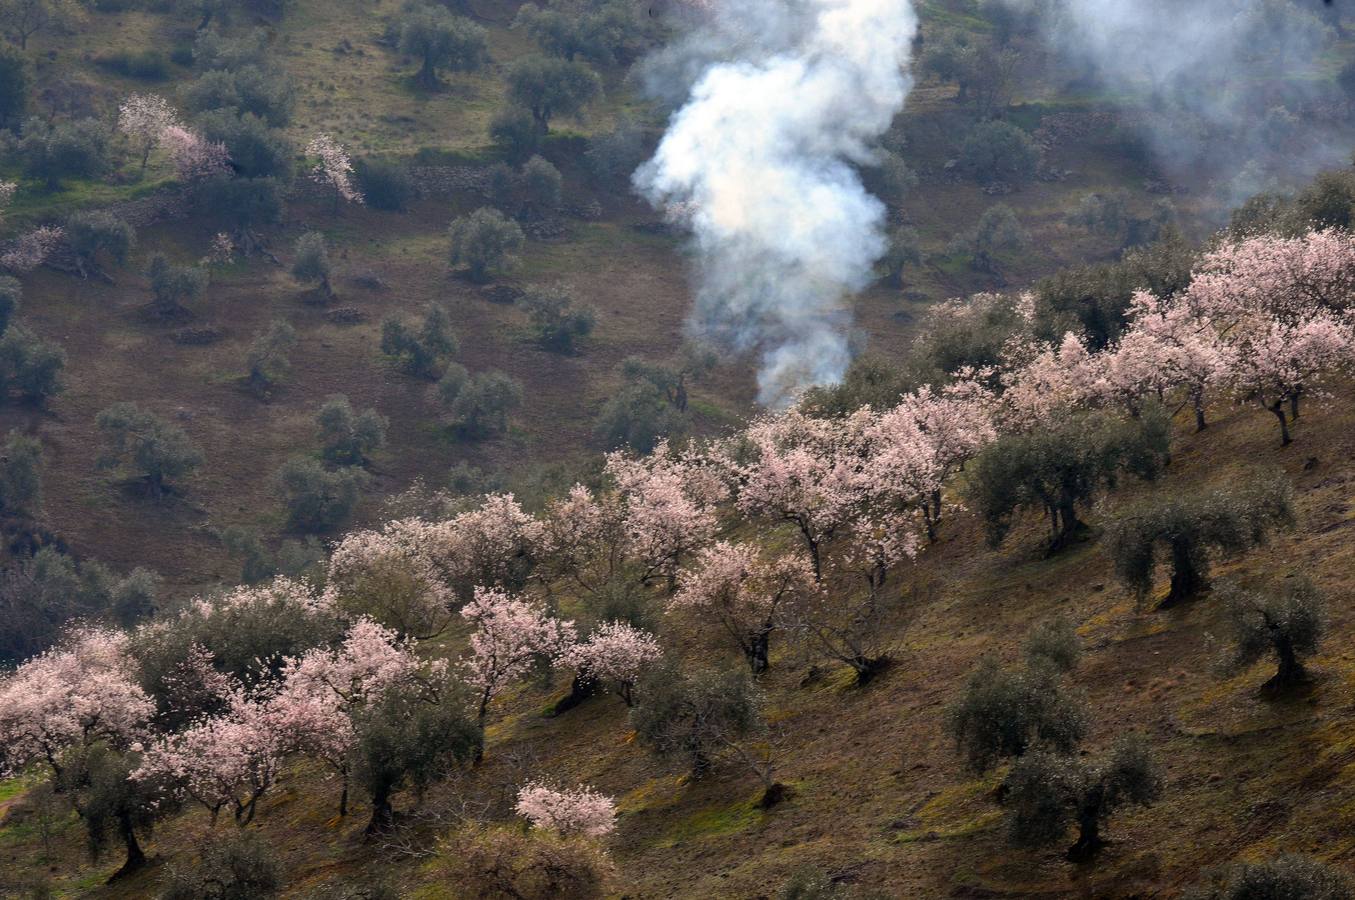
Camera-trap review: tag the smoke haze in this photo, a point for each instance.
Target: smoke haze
(1221, 86)
(783, 98)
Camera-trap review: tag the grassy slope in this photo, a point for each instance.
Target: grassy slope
(878, 793)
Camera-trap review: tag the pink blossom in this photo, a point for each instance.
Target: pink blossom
(1041, 379)
(334, 167)
(1280, 362)
(312, 710)
(226, 760)
(1275, 277)
(494, 545)
(222, 251)
(734, 586)
(510, 634)
(615, 652)
(194, 157)
(919, 444)
(391, 576)
(807, 472)
(668, 505)
(83, 690)
(579, 811)
(370, 660)
(33, 248)
(1170, 347)
(145, 118)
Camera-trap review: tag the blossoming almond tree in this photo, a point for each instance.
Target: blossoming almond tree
(195, 158)
(497, 544)
(322, 689)
(918, 445)
(1169, 347)
(230, 759)
(333, 168)
(33, 248)
(145, 118)
(578, 811)
(1039, 380)
(78, 710)
(807, 472)
(669, 506)
(734, 586)
(615, 652)
(1279, 363)
(511, 633)
(1269, 276)
(82, 691)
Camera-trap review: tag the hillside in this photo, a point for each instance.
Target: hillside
(1015, 168)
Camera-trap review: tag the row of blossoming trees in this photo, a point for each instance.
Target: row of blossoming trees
(790, 530)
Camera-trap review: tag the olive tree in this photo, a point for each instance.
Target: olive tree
(21, 475)
(486, 242)
(172, 286)
(1048, 793)
(113, 806)
(905, 249)
(254, 88)
(1054, 642)
(542, 185)
(997, 233)
(549, 87)
(93, 233)
(1287, 623)
(268, 356)
(54, 151)
(421, 349)
(1003, 714)
(312, 264)
(515, 131)
(316, 499)
(999, 151)
(156, 450)
(479, 408)
(237, 866)
(11, 296)
(637, 416)
(244, 204)
(410, 738)
(1191, 527)
(695, 716)
(15, 82)
(348, 436)
(256, 149)
(560, 323)
(442, 41)
(1288, 876)
(1061, 468)
(30, 368)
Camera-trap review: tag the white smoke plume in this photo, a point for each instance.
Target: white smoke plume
(786, 96)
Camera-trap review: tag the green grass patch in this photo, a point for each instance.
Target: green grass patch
(716, 822)
(33, 204)
(11, 788)
(984, 822)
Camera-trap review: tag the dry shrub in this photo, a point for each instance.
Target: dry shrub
(507, 862)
